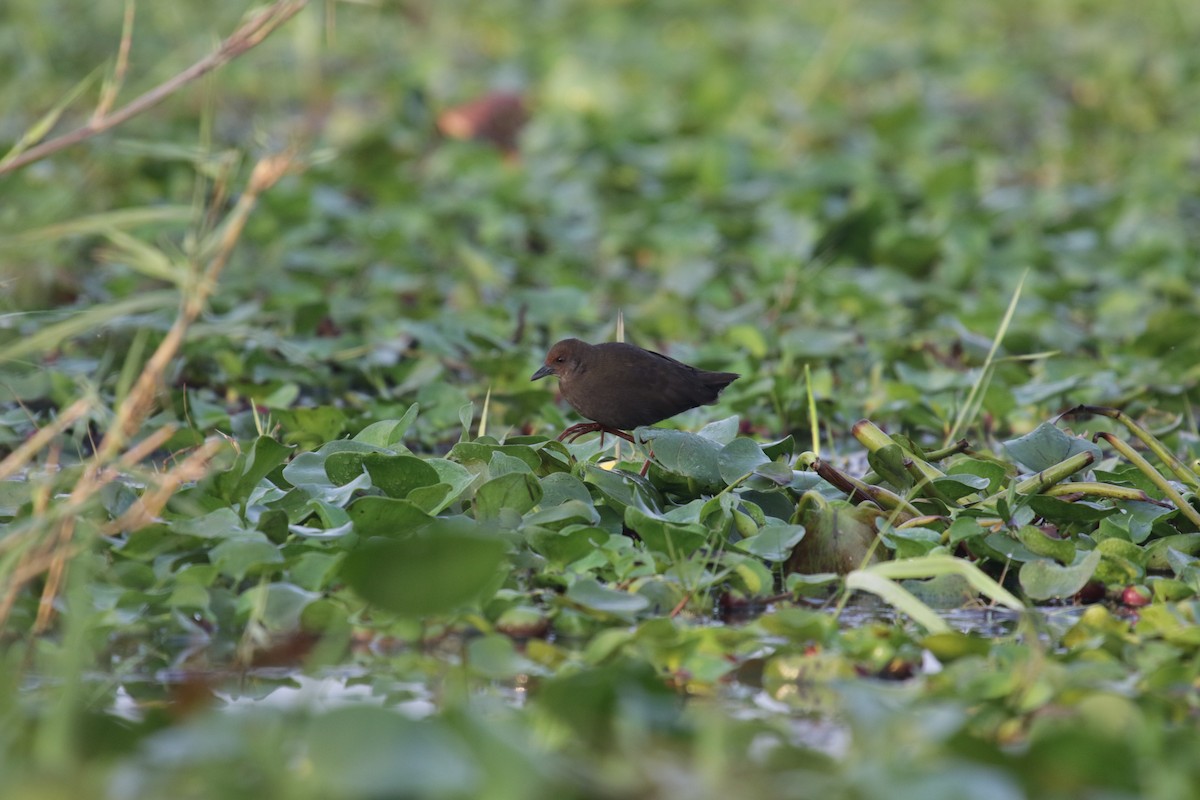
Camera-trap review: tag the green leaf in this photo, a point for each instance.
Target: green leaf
(1056, 510)
(620, 489)
(398, 475)
(773, 542)
(783, 448)
(994, 474)
(1046, 446)
(279, 605)
(516, 491)
(566, 546)
(740, 457)
(721, 431)
(364, 751)
(662, 536)
(219, 524)
(433, 573)
(478, 452)
(686, 454)
(495, 657)
(889, 461)
(242, 555)
(386, 516)
(559, 487)
(388, 432)
(308, 424)
(956, 487)
(1042, 580)
(590, 594)
(250, 467)
(1061, 550)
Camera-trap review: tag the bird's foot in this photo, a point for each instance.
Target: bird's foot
(583, 428)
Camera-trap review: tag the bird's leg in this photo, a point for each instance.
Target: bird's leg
(646, 466)
(583, 428)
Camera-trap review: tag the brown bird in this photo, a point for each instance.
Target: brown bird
(620, 387)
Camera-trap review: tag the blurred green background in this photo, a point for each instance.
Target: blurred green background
(854, 186)
(853, 189)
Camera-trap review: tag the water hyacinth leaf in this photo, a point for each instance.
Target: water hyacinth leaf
(250, 467)
(739, 458)
(1043, 580)
(480, 452)
(912, 542)
(721, 431)
(343, 467)
(775, 473)
(567, 545)
(495, 657)
(686, 454)
(277, 606)
(307, 469)
(559, 487)
(1046, 446)
(1183, 543)
(755, 577)
(388, 432)
(663, 536)
(320, 424)
(593, 596)
(1003, 547)
(314, 570)
(219, 524)
(398, 475)
(774, 542)
(1038, 543)
(433, 573)
(956, 487)
(596, 703)
(621, 489)
(1135, 520)
(965, 528)
(245, 554)
(517, 491)
(502, 464)
(1125, 550)
(817, 583)
(364, 751)
(431, 499)
(456, 476)
(889, 462)
(386, 516)
(571, 512)
(995, 474)
(783, 448)
(1056, 510)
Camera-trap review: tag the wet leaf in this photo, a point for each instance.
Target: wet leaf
(1042, 580)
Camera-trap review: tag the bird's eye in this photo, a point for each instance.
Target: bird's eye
(559, 360)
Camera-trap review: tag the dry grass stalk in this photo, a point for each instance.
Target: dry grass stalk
(52, 555)
(147, 507)
(17, 459)
(250, 35)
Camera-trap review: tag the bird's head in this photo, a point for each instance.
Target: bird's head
(564, 360)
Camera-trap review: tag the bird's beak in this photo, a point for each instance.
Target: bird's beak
(542, 372)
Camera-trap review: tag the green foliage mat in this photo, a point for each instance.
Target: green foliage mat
(342, 554)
